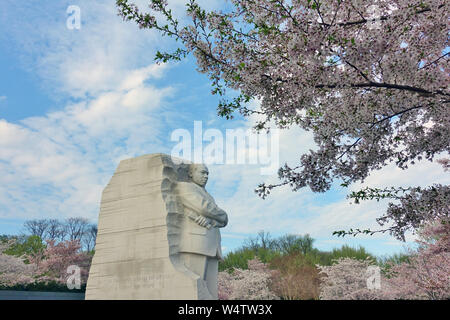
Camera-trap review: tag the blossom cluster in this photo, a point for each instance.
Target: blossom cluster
(425, 274)
(347, 280)
(368, 79)
(251, 284)
(49, 265)
(55, 260)
(13, 270)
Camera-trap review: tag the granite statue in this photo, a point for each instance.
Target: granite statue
(158, 233)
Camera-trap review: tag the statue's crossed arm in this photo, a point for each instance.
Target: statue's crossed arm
(206, 212)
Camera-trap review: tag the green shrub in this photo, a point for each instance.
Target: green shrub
(240, 257)
(386, 262)
(295, 278)
(326, 258)
(266, 249)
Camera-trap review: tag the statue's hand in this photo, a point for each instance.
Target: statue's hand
(203, 221)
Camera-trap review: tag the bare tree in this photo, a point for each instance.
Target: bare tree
(37, 227)
(55, 230)
(294, 243)
(263, 240)
(90, 236)
(76, 228)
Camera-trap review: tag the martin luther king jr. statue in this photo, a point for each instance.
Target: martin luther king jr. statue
(158, 233)
(200, 242)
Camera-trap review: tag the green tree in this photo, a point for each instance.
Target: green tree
(31, 245)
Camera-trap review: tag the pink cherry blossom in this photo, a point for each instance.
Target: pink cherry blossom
(13, 270)
(251, 284)
(370, 80)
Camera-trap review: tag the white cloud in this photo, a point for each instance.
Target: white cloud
(58, 164)
(62, 157)
(85, 62)
(80, 63)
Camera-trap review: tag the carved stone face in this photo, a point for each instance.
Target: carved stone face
(199, 175)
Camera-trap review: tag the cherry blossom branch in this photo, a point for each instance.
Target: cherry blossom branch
(372, 84)
(435, 61)
(284, 60)
(369, 84)
(382, 18)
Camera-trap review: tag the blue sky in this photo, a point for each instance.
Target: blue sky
(73, 103)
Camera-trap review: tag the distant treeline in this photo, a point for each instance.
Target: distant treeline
(272, 250)
(76, 228)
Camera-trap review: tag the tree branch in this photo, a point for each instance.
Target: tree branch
(371, 84)
(382, 18)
